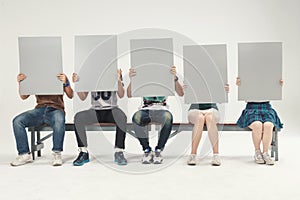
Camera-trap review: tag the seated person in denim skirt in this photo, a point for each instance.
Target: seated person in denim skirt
(261, 118)
(155, 110)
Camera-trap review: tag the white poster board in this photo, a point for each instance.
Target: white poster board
(205, 73)
(96, 63)
(41, 61)
(152, 60)
(260, 71)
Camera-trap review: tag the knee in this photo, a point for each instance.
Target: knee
(209, 118)
(119, 115)
(168, 117)
(200, 119)
(256, 126)
(268, 125)
(77, 118)
(136, 118)
(196, 118)
(18, 121)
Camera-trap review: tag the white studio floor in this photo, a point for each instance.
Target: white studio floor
(237, 178)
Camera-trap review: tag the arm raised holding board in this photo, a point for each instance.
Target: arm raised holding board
(155, 110)
(49, 110)
(104, 109)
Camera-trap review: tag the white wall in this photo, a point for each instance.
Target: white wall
(206, 22)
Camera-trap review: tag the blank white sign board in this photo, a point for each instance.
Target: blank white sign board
(41, 62)
(96, 63)
(152, 60)
(205, 73)
(260, 71)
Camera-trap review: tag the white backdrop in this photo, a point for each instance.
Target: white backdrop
(204, 21)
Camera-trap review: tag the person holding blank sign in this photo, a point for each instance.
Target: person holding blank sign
(155, 110)
(104, 109)
(261, 118)
(49, 110)
(208, 114)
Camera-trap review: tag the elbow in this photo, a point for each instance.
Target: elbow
(121, 95)
(71, 96)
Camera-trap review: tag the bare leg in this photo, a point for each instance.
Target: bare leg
(197, 119)
(267, 135)
(211, 124)
(256, 128)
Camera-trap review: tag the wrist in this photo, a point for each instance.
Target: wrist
(176, 78)
(67, 83)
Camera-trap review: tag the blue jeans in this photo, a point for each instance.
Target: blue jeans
(143, 117)
(55, 118)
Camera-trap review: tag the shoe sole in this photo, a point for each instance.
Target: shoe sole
(215, 164)
(120, 163)
(82, 163)
(270, 163)
(157, 162)
(191, 164)
(31, 161)
(146, 162)
(260, 162)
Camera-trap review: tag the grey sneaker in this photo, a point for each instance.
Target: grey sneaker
(216, 161)
(120, 159)
(157, 159)
(57, 161)
(148, 157)
(267, 159)
(22, 160)
(192, 159)
(258, 157)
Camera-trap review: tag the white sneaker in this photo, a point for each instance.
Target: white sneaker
(147, 157)
(216, 161)
(22, 160)
(57, 161)
(192, 159)
(258, 157)
(267, 159)
(157, 158)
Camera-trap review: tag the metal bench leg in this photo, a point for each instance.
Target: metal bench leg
(273, 144)
(38, 135)
(276, 145)
(33, 144)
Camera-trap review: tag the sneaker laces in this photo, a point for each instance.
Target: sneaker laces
(120, 154)
(57, 156)
(258, 154)
(266, 156)
(21, 157)
(192, 157)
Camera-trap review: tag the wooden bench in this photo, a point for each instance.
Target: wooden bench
(37, 141)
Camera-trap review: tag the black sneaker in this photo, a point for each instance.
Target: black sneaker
(120, 159)
(82, 158)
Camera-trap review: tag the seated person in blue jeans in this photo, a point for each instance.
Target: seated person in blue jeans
(49, 110)
(104, 109)
(154, 110)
